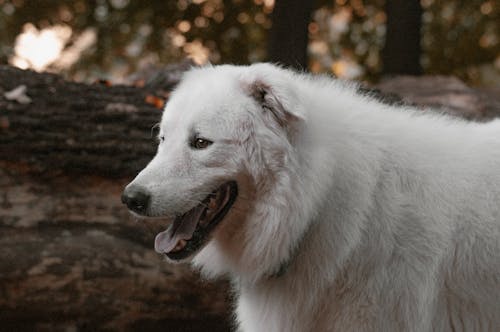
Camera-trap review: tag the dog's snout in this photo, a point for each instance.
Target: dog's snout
(136, 198)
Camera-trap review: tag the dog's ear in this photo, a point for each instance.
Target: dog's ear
(271, 102)
(276, 99)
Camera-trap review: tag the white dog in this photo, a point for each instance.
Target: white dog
(329, 210)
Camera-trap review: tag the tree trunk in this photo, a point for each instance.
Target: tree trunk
(289, 34)
(401, 54)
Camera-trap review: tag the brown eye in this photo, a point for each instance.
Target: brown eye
(200, 143)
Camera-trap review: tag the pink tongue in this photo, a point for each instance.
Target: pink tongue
(167, 240)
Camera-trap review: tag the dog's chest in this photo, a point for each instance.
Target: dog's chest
(274, 309)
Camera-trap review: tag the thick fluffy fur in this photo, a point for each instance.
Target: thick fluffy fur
(351, 215)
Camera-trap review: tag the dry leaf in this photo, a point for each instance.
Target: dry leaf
(18, 94)
(155, 101)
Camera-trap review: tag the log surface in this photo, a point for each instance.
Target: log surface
(74, 127)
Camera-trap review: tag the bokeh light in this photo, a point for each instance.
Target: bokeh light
(86, 39)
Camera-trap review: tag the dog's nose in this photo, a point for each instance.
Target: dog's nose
(136, 198)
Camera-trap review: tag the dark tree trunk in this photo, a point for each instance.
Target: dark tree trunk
(289, 34)
(401, 54)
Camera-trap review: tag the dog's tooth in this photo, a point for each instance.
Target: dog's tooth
(180, 245)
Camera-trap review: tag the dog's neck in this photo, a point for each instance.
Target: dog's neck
(285, 265)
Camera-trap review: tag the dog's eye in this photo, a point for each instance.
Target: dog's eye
(200, 143)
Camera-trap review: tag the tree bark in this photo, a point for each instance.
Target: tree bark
(87, 129)
(401, 53)
(289, 34)
(444, 94)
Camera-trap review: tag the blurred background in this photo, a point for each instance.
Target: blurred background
(89, 39)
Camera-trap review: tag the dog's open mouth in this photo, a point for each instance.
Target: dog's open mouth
(189, 232)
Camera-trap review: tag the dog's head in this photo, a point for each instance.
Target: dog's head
(225, 171)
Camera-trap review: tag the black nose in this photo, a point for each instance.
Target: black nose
(136, 198)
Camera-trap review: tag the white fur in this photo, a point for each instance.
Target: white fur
(351, 215)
